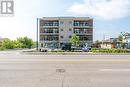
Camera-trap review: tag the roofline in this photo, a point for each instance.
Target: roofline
(66, 17)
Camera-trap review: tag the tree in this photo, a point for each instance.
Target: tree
(75, 40)
(8, 44)
(120, 37)
(17, 44)
(25, 42)
(97, 44)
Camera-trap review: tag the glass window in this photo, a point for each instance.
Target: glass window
(61, 29)
(70, 36)
(70, 29)
(61, 37)
(70, 22)
(61, 22)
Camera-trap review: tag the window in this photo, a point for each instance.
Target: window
(61, 22)
(70, 29)
(70, 22)
(70, 36)
(61, 37)
(82, 23)
(61, 29)
(85, 30)
(50, 23)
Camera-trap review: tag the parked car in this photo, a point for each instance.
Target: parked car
(44, 49)
(86, 49)
(66, 46)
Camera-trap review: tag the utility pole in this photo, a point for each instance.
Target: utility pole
(103, 40)
(37, 34)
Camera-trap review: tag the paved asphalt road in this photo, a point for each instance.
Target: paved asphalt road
(18, 70)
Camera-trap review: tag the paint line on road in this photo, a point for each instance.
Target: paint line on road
(63, 60)
(118, 70)
(93, 60)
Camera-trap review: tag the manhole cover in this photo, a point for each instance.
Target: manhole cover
(60, 70)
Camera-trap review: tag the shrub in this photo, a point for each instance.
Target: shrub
(114, 51)
(94, 50)
(57, 51)
(1, 48)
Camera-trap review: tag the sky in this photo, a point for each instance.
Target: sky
(110, 16)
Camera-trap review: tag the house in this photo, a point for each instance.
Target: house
(111, 43)
(126, 40)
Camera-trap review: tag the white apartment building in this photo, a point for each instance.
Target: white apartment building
(57, 31)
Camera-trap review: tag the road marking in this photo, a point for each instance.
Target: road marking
(126, 70)
(91, 60)
(62, 60)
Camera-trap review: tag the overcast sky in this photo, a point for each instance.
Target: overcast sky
(110, 16)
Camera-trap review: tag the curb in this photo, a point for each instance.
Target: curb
(71, 53)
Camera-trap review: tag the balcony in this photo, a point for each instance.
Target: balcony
(82, 24)
(83, 31)
(47, 38)
(49, 31)
(85, 37)
(48, 23)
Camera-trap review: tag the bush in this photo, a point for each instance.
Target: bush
(94, 50)
(114, 51)
(57, 51)
(1, 48)
(8, 44)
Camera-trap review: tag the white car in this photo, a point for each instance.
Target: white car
(86, 49)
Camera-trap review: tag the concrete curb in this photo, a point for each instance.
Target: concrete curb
(71, 53)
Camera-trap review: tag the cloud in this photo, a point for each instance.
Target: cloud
(106, 9)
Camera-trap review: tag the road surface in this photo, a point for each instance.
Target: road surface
(18, 70)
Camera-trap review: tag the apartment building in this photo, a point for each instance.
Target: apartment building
(56, 31)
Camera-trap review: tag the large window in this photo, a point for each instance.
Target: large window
(49, 30)
(82, 30)
(49, 37)
(49, 23)
(82, 23)
(85, 38)
(61, 22)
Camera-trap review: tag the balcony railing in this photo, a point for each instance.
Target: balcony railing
(78, 23)
(82, 31)
(49, 31)
(49, 23)
(49, 38)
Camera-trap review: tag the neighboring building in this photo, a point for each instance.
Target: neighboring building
(111, 43)
(126, 40)
(57, 31)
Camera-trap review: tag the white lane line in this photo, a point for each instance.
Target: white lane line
(124, 70)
